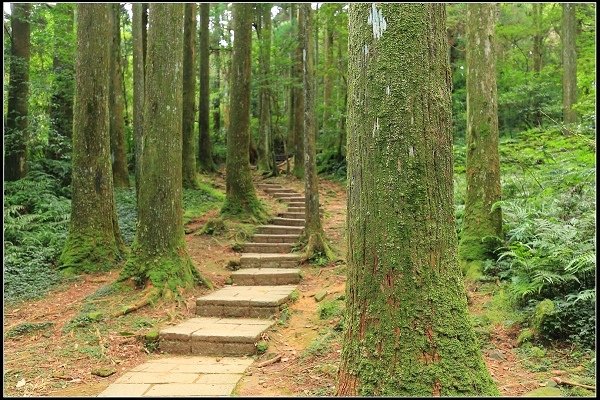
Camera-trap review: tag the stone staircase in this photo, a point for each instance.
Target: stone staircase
(231, 320)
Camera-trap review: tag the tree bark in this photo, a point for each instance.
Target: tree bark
(17, 120)
(94, 242)
(316, 244)
(159, 255)
(264, 129)
(117, 121)
(205, 159)
(538, 42)
(61, 108)
(298, 170)
(482, 227)
(408, 331)
(290, 142)
(189, 96)
(217, 81)
(138, 28)
(241, 200)
(569, 58)
(328, 75)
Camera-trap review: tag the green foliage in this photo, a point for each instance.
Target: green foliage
(126, 205)
(36, 218)
(548, 211)
(330, 308)
(262, 346)
(27, 327)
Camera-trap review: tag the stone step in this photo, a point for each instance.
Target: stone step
(214, 336)
(266, 276)
(295, 199)
(280, 229)
(295, 203)
(269, 260)
(295, 209)
(276, 238)
(273, 190)
(258, 247)
(265, 186)
(288, 221)
(292, 215)
(244, 301)
(279, 195)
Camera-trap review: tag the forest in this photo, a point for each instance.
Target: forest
(299, 199)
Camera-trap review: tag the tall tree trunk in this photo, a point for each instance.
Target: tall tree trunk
(205, 159)
(217, 80)
(482, 227)
(408, 331)
(138, 28)
(117, 121)
(538, 42)
(241, 200)
(17, 120)
(298, 135)
(264, 128)
(569, 58)
(94, 242)
(61, 108)
(290, 140)
(159, 255)
(328, 75)
(316, 244)
(189, 96)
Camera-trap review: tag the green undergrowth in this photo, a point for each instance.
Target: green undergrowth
(36, 222)
(547, 258)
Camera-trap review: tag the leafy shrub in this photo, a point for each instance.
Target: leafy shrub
(36, 219)
(548, 211)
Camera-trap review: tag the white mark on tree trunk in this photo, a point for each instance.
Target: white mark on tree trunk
(366, 50)
(411, 151)
(387, 90)
(378, 21)
(375, 126)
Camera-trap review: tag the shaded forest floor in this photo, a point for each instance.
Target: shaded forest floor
(57, 341)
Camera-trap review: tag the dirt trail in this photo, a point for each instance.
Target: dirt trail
(53, 363)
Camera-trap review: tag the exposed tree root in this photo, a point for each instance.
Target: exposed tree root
(317, 245)
(152, 295)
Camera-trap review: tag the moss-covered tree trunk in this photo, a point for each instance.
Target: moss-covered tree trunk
(205, 159)
(159, 255)
(316, 244)
(116, 104)
(482, 227)
(408, 331)
(538, 42)
(290, 140)
(189, 96)
(138, 28)
(264, 128)
(569, 59)
(298, 170)
(241, 200)
(17, 125)
(94, 242)
(61, 107)
(328, 75)
(217, 33)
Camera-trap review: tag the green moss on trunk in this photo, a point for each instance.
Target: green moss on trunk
(408, 331)
(159, 255)
(138, 28)
(241, 200)
(482, 227)
(298, 135)
(94, 242)
(116, 103)
(205, 159)
(189, 97)
(17, 119)
(316, 244)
